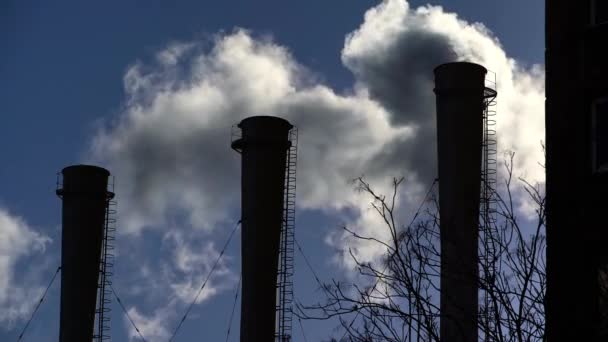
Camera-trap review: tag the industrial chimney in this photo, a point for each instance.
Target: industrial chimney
(263, 145)
(85, 199)
(459, 89)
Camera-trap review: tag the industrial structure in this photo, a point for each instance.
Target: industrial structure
(267, 147)
(87, 233)
(576, 182)
(462, 101)
(577, 170)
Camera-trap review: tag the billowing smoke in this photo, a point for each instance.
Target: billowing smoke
(170, 149)
(394, 52)
(392, 56)
(170, 146)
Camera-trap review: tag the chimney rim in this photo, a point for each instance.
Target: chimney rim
(85, 168)
(268, 118)
(460, 64)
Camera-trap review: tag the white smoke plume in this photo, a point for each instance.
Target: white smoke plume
(170, 146)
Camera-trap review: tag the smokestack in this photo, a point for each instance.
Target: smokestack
(459, 89)
(263, 146)
(85, 197)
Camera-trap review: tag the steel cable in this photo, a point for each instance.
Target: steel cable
(236, 297)
(181, 322)
(127, 313)
(39, 303)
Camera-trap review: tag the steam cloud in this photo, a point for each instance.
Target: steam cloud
(169, 148)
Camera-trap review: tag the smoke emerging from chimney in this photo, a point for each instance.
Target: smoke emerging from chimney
(169, 147)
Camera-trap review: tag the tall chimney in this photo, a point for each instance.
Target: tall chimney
(459, 89)
(85, 197)
(263, 146)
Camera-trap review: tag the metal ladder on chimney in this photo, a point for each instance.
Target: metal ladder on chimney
(488, 229)
(104, 294)
(286, 252)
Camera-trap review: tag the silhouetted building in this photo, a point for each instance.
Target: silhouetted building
(577, 165)
(459, 89)
(85, 200)
(263, 146)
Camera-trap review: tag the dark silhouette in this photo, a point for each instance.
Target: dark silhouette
(398, 298)
(459, 88)
(427, 286)
(263, 146)
(577, 161)
(85, 200)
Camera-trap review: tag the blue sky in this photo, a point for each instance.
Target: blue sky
(63, 95)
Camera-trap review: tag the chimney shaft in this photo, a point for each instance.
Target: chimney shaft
(263, 147)
(84, 194)
(459, 89)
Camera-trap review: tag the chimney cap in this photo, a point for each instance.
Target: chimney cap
(461, 66)
(460, 79)
(83, 168)
(84, 180)
(266, 120)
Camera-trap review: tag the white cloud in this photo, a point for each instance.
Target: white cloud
(170, 149)
(170, 146)
(17, 241)
(192, 264)
(393, 45)
(172, 54)
(153, 328)
(174, 282)
(392, 55)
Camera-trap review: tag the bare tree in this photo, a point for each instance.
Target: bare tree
(399, 298)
